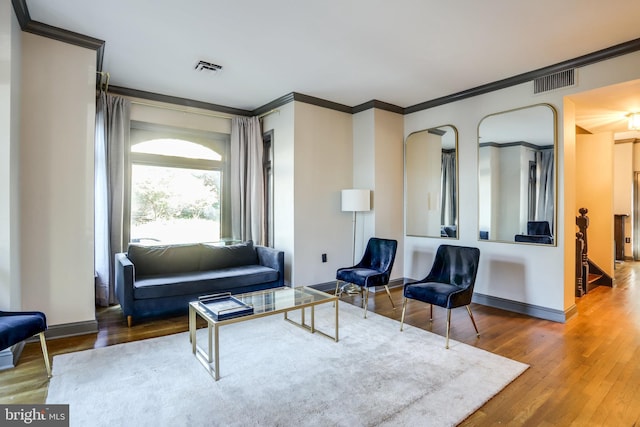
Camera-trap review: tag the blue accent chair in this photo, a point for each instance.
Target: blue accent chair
(538, 228)
(17, 326)
(449, 283)
(537, 232)
(373, 269)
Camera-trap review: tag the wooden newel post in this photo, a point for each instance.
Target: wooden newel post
(582, 264)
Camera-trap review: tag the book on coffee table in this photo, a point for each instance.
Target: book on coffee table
(224, 306)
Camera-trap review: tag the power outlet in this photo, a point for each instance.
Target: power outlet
(324, 257)
(627, 239)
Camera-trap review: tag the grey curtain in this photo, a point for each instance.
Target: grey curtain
(545, 192)
(448, 189)
(247, 180)
(111, 161)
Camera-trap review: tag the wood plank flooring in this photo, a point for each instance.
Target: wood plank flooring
(585, 372)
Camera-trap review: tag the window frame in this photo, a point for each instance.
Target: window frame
(218, 142)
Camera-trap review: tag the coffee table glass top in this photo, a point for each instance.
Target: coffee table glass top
(283, 299)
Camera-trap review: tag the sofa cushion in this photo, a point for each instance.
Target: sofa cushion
(203, 282)
(217, 257)
(164, 259)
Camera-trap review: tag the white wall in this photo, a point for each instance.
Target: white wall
(317, 153)
(283, 125)
(529, 274)
(56, 180)
(594, 191)
(312, 163)
(389, 181)
(323, 163)
(10, 67)
(378, 165)
(364, 176)
(185, 117)
(507, 271)
(623, 178)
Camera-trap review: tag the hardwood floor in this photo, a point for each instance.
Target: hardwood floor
(584, 372)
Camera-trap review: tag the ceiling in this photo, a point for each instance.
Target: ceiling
(346, 51)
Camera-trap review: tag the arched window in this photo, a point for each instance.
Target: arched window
(177, 191)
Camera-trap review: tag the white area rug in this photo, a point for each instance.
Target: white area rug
(276, 374)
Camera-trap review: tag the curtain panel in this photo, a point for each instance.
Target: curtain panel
(247, 180)
(111, 161)
(448, 189)
(545, 192)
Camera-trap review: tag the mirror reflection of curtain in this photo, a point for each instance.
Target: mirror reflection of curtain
(533, 191)
(545, 192)
(448, 189)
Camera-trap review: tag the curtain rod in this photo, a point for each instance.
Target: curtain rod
(218, 115)
(180, 110)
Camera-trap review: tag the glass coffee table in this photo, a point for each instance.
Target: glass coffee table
(264, 303)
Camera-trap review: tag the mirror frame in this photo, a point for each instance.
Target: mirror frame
(457, 186)
(554, 115)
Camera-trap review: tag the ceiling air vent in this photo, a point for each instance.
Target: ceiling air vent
(555, 81)
(208, 66)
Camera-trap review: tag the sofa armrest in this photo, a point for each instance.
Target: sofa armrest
(273, 258)
(124, 280)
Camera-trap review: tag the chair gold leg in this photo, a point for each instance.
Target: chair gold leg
(473, 321)
(338, 292)
(431, 312)
(45, 353)
(446, 345)
(404, 307)
(386, 288)
(129, 321)
(365, 301)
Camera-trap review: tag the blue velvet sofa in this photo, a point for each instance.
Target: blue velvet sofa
(161, 280)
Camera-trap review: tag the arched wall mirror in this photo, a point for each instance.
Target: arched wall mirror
(431, 183)
(517, 176)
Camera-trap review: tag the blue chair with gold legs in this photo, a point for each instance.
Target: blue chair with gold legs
(17, 326)
(373, 269)
(449, 284)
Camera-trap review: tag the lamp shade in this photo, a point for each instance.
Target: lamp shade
(634, 121)
(356, 200)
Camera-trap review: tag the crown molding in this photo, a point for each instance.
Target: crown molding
(307, 99)
(581, 61)
(22, 12)
(300, 97)
(135, 93)
(380, 105)
(285, 99)
(30, 26)
(516, 144)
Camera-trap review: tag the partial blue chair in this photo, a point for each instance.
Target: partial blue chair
(449, 284)
(373, 269)
(17, 326)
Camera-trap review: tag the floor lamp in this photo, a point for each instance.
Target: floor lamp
(355, 200)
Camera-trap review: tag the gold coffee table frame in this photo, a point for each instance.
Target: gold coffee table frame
(265, 303)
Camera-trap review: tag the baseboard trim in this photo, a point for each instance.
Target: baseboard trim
(488, 300)
(68, 330)
(9, 356)
(72, 329)
(524, 308)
